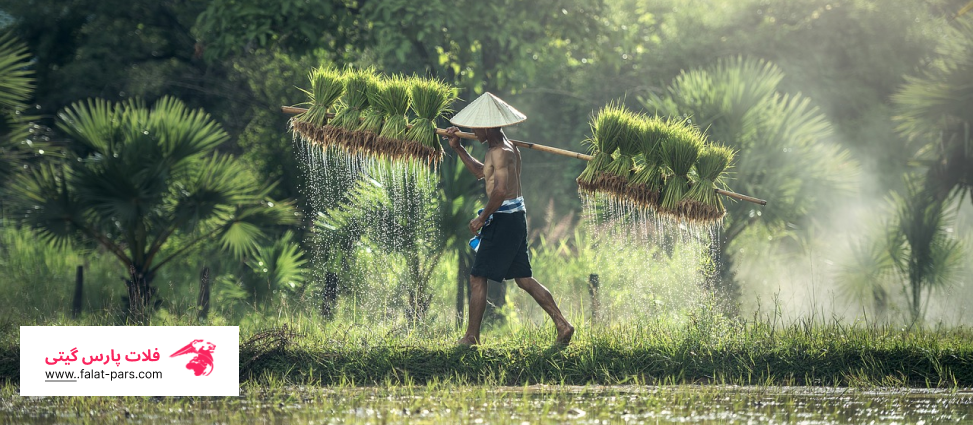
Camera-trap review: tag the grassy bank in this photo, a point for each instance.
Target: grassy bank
(705, 348)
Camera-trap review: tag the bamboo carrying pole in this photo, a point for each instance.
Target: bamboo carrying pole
(291, 110)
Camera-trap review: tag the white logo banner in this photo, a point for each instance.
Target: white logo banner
(129, 360)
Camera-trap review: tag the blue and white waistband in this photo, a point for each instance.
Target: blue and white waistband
(512, 206)
(508, 206)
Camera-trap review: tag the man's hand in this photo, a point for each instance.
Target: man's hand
(476, 224)
(453, 138)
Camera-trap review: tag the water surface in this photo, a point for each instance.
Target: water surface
(510, 405)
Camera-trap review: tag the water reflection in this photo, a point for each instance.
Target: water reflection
(513, 405)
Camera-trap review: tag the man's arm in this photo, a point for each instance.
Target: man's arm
(501, 172)
(475, 167)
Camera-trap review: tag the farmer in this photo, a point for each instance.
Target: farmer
(500, 229)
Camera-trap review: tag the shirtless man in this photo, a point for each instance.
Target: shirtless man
(502, 224)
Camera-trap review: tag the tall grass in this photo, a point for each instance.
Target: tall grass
(37, 280)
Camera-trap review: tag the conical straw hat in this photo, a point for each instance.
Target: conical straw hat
(487, 111)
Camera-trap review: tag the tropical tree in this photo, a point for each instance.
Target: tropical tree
(924, 251)
(935, 113)
(782, 154)
(147, 185)
(867, 274)
(16, 86)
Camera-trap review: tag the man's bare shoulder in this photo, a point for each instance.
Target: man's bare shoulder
(502, 153)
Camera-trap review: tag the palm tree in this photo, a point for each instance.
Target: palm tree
(866, 275)
(935, 113)
(148, 186)
(16, 87)
(780, 138)
(922, 248)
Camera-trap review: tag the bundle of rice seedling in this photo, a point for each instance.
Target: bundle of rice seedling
(648, 181)
(710, 167)
(347, 121)
(619, 171)
(608, 127)
(327, 85)
(679, 153)
(430, 99)
(372, 118)
(394, 103)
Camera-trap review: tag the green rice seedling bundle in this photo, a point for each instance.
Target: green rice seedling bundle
(679, 153)
(607, 127)
(430, 99)
(327, 86)
(647, 183)
(710, 168)
(618, 172)
(394, 103)
(347, 120)
(372, 118)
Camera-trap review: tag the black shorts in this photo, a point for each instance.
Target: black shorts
(502, 253)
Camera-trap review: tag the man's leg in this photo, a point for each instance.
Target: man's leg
(546, 301)
(478, 293)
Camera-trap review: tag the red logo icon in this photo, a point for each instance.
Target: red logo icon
(202, 362)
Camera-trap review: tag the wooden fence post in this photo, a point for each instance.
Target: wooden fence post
(593, 283)
(204, 290)
(78, 293)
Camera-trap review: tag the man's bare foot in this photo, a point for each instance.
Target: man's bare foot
(468, 341)
(564, 334)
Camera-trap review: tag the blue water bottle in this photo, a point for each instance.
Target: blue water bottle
(475, 241)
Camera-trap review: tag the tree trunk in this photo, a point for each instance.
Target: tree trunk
(419, 297)
(140, 294)
(593, 284)
(329, 295)
(916, 304)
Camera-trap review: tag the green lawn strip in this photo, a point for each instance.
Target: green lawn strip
(587, 364)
